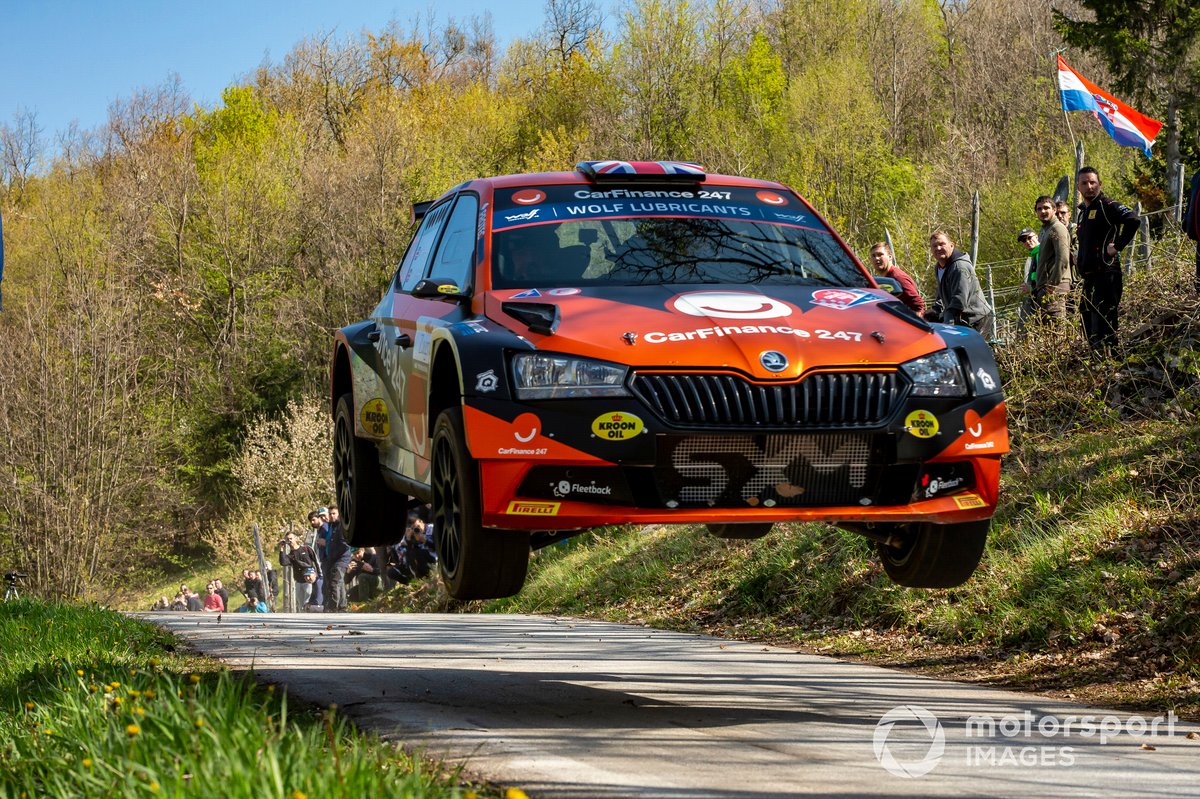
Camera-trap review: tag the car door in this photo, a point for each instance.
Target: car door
(393, 320)
(453, 259)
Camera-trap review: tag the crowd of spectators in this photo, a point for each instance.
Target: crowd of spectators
(326, 572)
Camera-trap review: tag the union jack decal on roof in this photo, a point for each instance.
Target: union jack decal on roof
(677, 169)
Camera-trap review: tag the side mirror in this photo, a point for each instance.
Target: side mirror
(889, 284)
(434, 288)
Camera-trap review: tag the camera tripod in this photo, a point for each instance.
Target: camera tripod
(10, 590)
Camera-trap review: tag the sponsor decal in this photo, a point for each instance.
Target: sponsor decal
(937, 486)
(921, 424)
(527, 294)
(565, 488)
(375, 419)
(771, 198)
(798, 219)
(447, 288)
(562, 292)
(730, 305)
(980, 445)
(973, 424)
(525, 217)
(1092, 214)
(951, 330)
(660, 337)
(841, 299)
(529, 508)
(967, 501)
(617, 426)
(481, 225)
(468, 328)
(773, 361)
(529, 196)
(486, 382)
(526, 422)
(985, 379)
(423, 346)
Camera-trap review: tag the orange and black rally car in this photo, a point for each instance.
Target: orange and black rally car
(641, 342)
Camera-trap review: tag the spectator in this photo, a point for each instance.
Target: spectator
(885, 265)
(254, 605)
(1105, 228)
(180, 602)
(1191, 222)
(194, 602)
(221, 591)
(212, 600)
(339, 556)
(1062, 211)
(302, 560)
(253, 583)
(413, 557)
(960, 299)
(364, 570)
(1027, 308)
(315, 539)
(161, 604)
(1053, 284)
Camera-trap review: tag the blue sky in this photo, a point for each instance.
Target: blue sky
(69, 59)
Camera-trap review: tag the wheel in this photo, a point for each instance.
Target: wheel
(372, 514)
(935, 555)
(475, 562)
(740, 529)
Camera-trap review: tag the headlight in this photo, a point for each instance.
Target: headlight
(539, 375)
(936, 375)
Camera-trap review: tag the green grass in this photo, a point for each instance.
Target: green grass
(93, 704)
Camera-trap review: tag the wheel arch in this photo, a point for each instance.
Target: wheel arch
(341, 381)
(445, 381)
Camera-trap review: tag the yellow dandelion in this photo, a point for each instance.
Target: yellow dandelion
(299, 795)
(199, 723)
(29, 705)
(116, 700)
(153, 786)
(195, 678)
(112, 686)
(148, 693)
(92, 689)
(515, 793)
(48, 731)
(133, 672)
(470, 795)
(139, 711)
(87, 762)
(153, 663)
(134, 694)
(132, 729)
(79, 672)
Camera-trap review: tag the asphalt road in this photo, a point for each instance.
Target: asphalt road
(569, 708)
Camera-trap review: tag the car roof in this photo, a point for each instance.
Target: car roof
(579, 179)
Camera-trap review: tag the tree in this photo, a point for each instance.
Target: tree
(1152, 47)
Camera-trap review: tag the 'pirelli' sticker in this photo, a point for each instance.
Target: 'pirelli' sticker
(523, 508)
(967, 501)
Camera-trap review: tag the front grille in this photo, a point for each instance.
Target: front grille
(779, 470)
(824, 399)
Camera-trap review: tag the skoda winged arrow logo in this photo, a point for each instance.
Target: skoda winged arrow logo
(773, 361)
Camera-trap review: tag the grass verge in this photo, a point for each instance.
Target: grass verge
(94, 704)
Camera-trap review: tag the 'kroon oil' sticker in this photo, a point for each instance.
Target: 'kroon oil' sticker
(921, 424)
(617, 426)
(375, 419)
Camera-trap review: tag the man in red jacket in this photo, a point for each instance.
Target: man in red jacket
(885, 265)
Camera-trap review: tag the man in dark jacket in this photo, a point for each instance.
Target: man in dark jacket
(1191, 222)
(1105, 228)
(960, 299)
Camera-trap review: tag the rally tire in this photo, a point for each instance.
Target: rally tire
(935, 555)
(740, 530)
(372, 514)
(475, 562)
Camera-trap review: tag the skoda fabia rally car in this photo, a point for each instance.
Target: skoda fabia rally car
(641, 342)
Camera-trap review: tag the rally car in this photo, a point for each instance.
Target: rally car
(642, 342)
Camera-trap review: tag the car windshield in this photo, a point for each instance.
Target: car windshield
(652, 250)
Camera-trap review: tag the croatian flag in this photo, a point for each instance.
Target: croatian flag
(1129, 128)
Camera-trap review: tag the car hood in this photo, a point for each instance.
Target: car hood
(768, 332)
